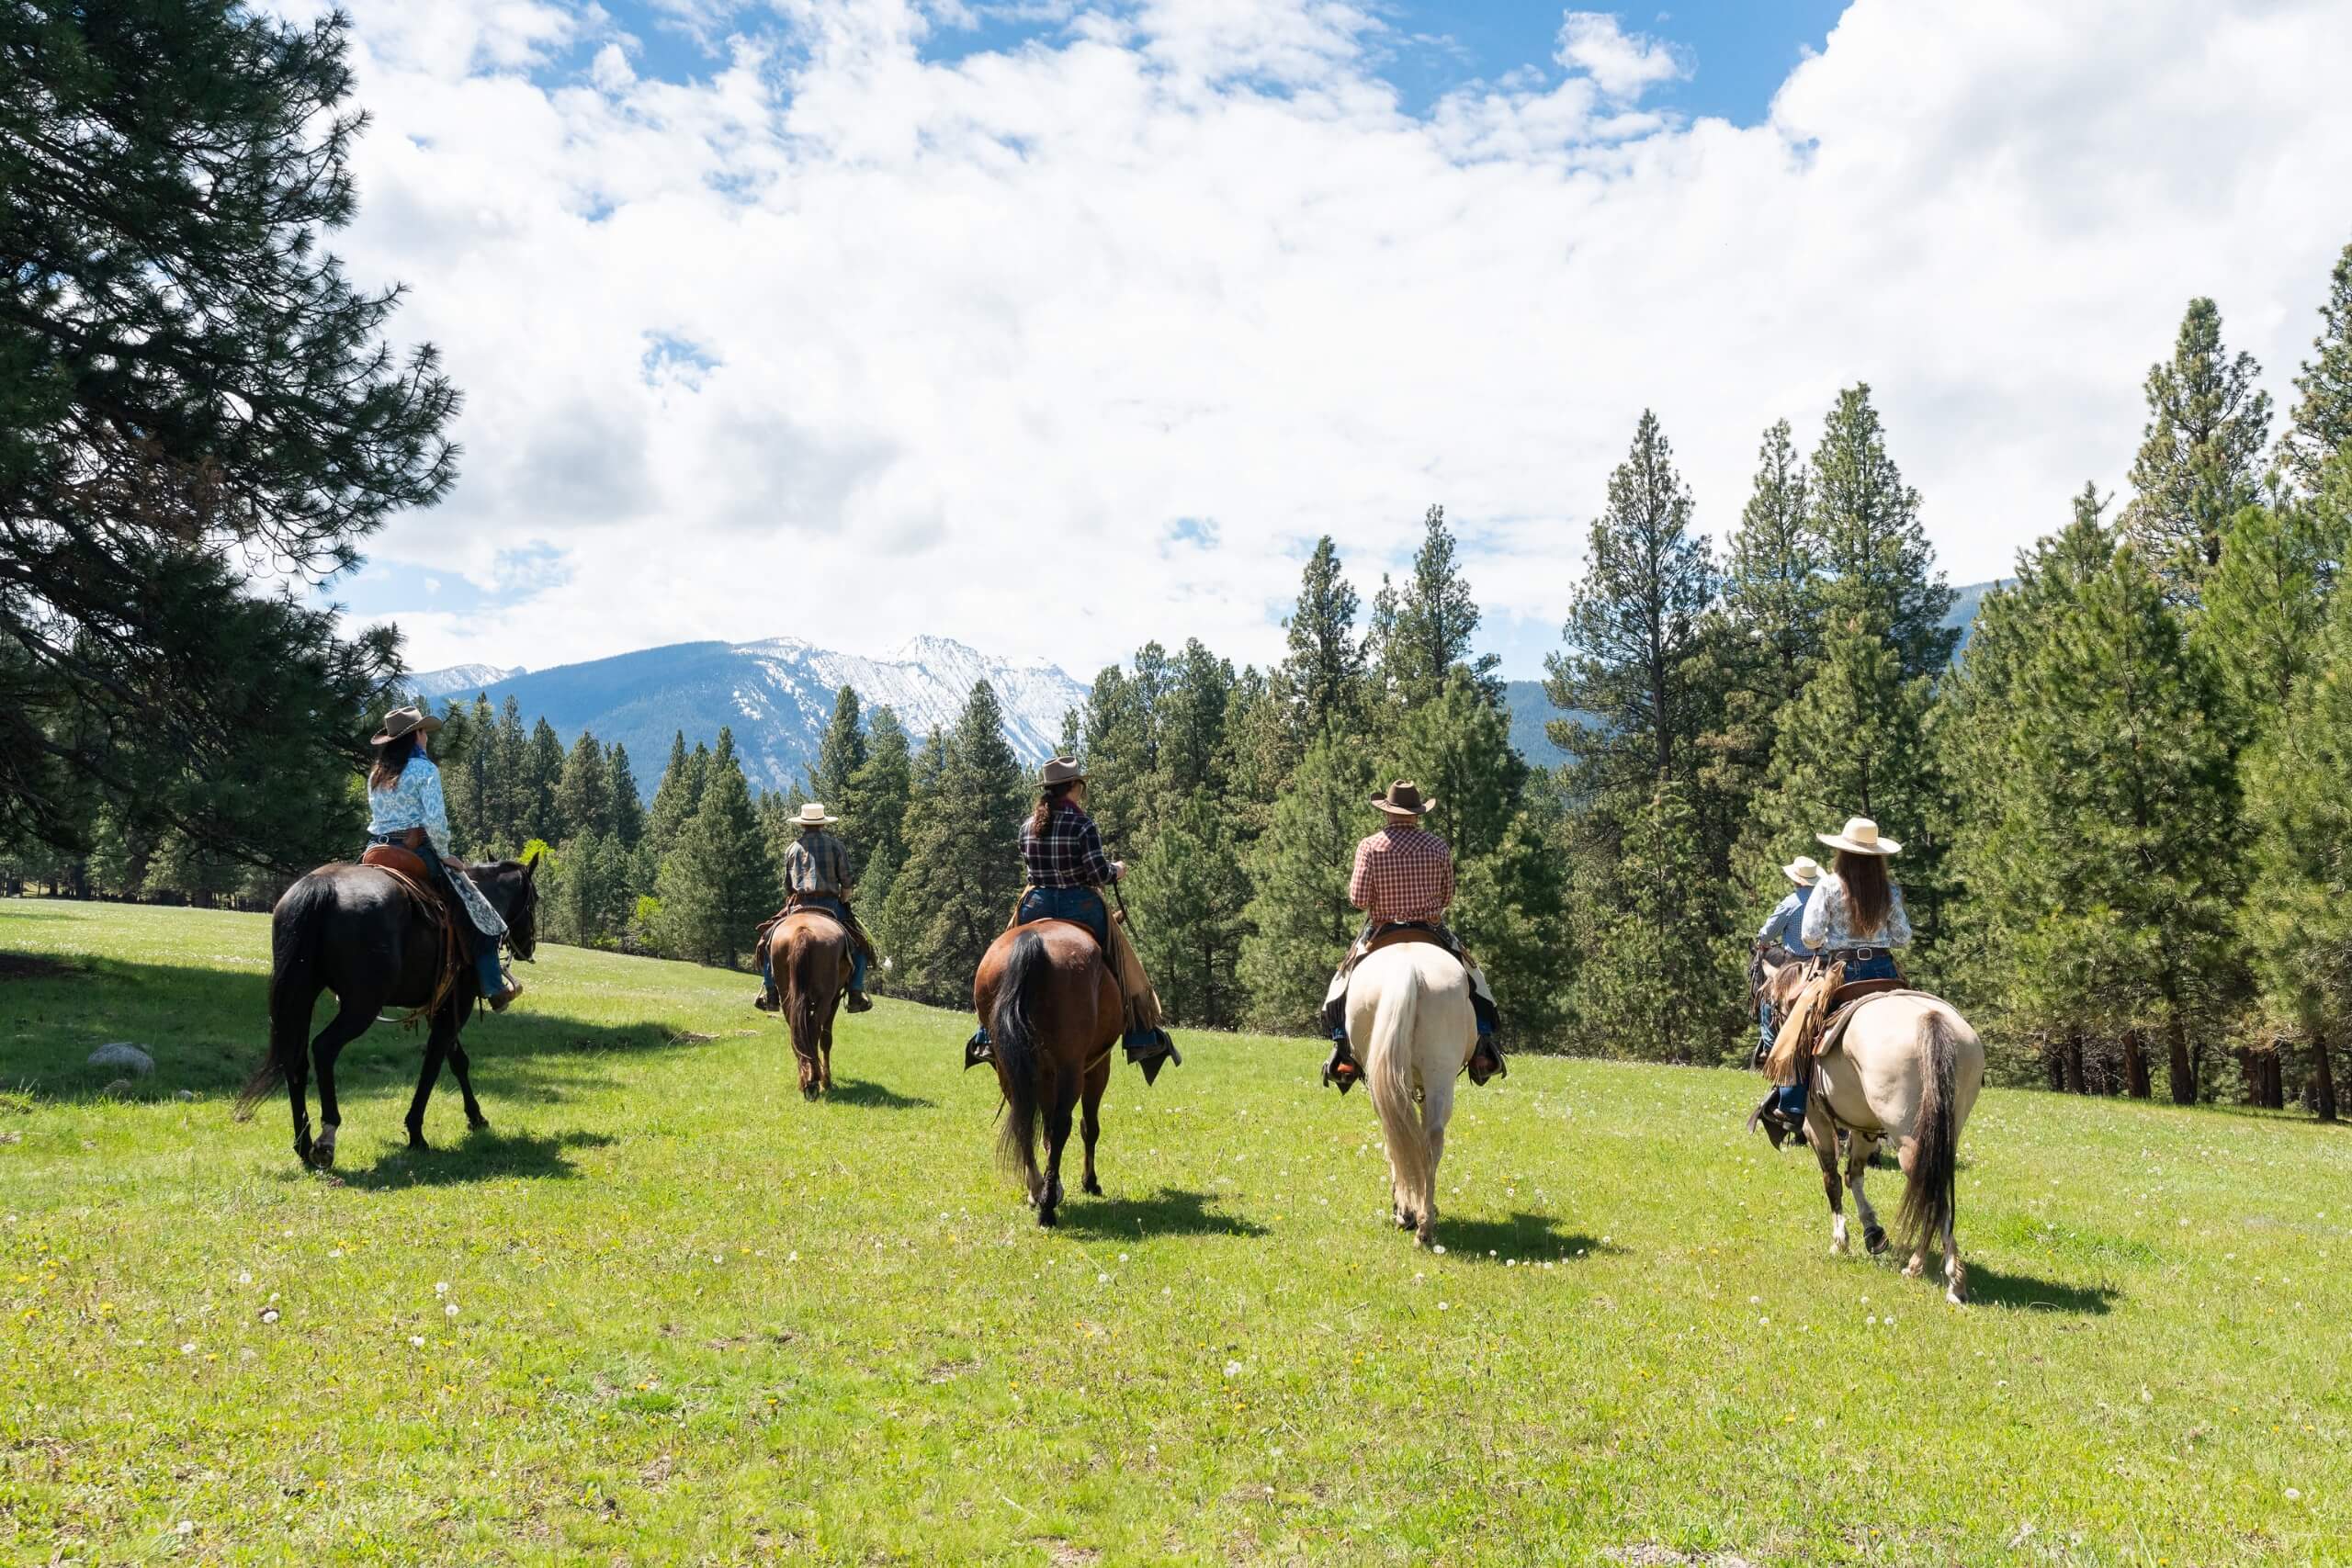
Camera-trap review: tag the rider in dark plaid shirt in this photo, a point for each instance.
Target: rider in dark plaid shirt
(817, 864)
(1068, 853)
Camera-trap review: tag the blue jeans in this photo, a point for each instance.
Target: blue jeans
(1880, 966)
(1081, 906)
(856, 951)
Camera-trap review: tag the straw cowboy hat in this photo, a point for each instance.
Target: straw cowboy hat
(1404, 799)
(405, 721)
(1861, 837)
(1061, 771)
(813, 815)
(1804, 870)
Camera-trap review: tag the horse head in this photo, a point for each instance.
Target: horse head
(512, 888)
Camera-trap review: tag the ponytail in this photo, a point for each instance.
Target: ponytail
(1868, 892)
(391, 761)
(1047, 798)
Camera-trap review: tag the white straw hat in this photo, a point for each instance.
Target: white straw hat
(813, 815)
(1861, 836)
(1804, 870)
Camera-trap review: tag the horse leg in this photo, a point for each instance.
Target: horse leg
(1824, 1150)
(1058, 1120)
(348, 1024)
(437, 1048)
(461, 1065)
(1860, 1153)
(298, 1079)
(826, 1071)
(1906, 1155)
(1090, 1124)
(1955, 1276)
(1437, 1109)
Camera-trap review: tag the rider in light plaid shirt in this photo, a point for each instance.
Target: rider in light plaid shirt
(1404, 876)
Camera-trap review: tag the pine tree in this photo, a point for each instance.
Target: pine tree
(1656, 985)
(1868, 539)
(963, 867)
(1632, 622)
(1326, 671)
(880, 788)
(542, 777)
(467, 754)
(2198, 465)
(719, 880)
(583, 791)
(2116, 725)
(1300, 919)
(1193, 755)
(1187, 899)
(839, 756)
(2264, 604)
(625, 814)
(2299, 913)
(1425, 632)
(192, 385)
(2321, 425)
(678, 795)
(508, 801)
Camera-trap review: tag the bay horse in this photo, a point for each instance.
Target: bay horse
(1908, 1070)
(1053, 1011)
(1411, 1005)
(354, 930)
(810, 952)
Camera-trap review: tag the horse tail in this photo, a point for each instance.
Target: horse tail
(1929, 1201)
(1388, 1072)
(800, 993)
(1013, 1026)
(297, 927)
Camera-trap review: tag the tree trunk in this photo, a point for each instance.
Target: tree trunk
(2180, 1072)
(2135, 1066)
(2324, 1074)
(2074, 1065)
(2053, 1064)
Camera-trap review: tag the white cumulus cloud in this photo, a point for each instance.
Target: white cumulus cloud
(1061, 346)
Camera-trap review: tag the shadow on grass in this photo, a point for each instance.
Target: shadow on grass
(208, 1027)
(1529, 1237)
(484, 1155)
(1992, 1287)
(875, 1097)
(1170, 1212)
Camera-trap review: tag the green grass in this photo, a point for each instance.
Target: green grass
(698, 1320)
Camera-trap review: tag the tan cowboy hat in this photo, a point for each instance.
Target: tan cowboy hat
(1061, 771)
(812, 815)
(1861, 836)
(1404, 799)
(404, 721)
(1804, 870)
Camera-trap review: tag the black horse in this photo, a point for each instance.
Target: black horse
(354, 930)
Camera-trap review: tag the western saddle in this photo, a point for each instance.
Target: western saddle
(407, 868)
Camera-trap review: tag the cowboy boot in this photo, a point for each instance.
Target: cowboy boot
(859, 1002)
(1152, 1051)
(507, 992)
(1778, 1124)
(978, 1049)
(1486, 1056)
(1340, 1070)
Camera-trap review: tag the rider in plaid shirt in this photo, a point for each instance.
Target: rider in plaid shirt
(1404, 876)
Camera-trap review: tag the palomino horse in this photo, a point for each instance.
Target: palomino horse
(1411, 1005)
(810, 952)
(353, 929)
(1053, 1011)
(1908, 1071)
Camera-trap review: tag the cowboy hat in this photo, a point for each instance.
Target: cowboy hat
(1061, 771)
(1804, 870)
(1404, 799)
(812, 815)
(404, 721)
(1862, 838)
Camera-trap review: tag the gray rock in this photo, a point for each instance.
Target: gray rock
(122, 1054)
(121, 1088)
(184, 1095)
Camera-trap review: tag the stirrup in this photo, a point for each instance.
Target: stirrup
(859, 1002)
(507, 993)
(766, 1003)
(1777, 1123)
(1479, 1075)
(978, 1049)
(1341, 1070)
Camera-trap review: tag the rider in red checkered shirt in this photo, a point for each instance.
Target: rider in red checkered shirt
(1404, 876)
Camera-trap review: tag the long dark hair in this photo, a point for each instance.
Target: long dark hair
(391, 761)
(1868, 892)
(1047, 798)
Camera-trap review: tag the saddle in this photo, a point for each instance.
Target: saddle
(407, 869)
(1817, 1021)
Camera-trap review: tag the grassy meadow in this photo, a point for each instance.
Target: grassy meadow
(663, 1311)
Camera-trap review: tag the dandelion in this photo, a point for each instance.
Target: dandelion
(1101, 1278)
(185, 1526)
(1233, 1369)
(245, 1276)
(188, 1348)
(1442, 1307)
(1755, 1301)
(449, 1311)
(440, 1287)
(269, 1315)
(1439, 1249)
(417, 1340)
(2293, 1495)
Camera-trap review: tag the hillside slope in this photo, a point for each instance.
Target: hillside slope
(663, 1310)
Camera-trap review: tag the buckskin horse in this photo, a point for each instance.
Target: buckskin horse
(1907, 1069)
(357, 930)
(1049, 1004)
(810, 952)
(1411, 1005)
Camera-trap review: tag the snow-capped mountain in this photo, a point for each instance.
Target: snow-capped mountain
(776, 694)
(458, 678)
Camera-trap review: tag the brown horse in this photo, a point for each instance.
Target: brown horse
(1050, 1006)
(810, 952)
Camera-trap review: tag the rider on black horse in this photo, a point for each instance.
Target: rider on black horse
(405, 809)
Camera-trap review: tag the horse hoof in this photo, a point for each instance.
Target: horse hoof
(1047, 1219)
(1875, 1239)
(478, 1123)
(1091, 1188)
